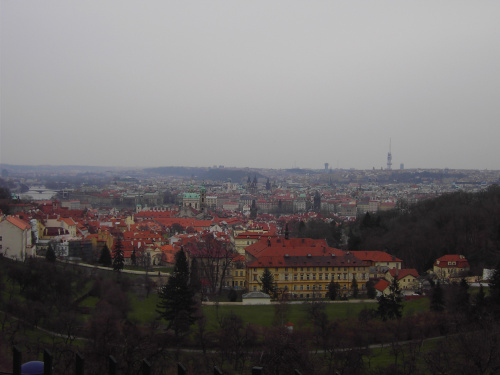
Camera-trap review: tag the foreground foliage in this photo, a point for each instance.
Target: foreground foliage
(323, 340)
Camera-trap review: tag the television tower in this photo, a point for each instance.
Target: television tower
(389, 157)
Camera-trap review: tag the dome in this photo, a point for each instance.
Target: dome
(32, 368)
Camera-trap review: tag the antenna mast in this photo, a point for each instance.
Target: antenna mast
(389, 157)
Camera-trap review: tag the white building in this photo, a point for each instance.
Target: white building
(15, 238)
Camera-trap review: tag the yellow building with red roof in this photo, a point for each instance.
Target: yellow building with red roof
(451, 265)
(308, 275)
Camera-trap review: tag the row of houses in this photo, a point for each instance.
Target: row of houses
(302, 267)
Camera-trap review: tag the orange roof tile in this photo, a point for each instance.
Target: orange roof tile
(21, 224)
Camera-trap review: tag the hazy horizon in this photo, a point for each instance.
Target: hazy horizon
(282, 84)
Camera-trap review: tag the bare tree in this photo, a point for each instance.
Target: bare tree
(214, 259)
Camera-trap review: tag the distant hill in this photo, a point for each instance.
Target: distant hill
(236, 175)
(454, 223)
(177, 171)
(212, 174)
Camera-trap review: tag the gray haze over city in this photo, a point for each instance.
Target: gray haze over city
(260, 84)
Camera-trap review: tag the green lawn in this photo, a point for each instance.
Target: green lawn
(143, 310)
(89, 302)
(264, 315)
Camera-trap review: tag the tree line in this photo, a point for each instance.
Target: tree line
(454, 223)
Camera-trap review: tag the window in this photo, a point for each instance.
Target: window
(320, 287)
(241, 283)
(286, 269)
(307, 287)
(254, 288)
(295, 287)
(308, 268)
(338, 276)
(302, 276)
(308, 276)
(314, 268)
(345, 276)
(321, 276)
(314, 276)
(241, 273)
(286, 276)
(302, 287)
(295, 277)
(326, 276)
(276, 269)
(254, 277)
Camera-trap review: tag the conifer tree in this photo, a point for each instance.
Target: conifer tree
(133, 257)
(495, 286)
(333, 290)
(371, 292)
(177, 305)
(480, 304)
(118, 257)
(354, 287)
(267, 282)
(195, 281)
(105, 257)
(437, 298)
(391, 305)
(50, 256)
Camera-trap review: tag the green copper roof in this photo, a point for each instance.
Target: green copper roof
(191, 196)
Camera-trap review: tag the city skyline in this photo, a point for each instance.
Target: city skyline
(260, 85)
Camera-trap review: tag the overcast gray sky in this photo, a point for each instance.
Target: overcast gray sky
(275, 84)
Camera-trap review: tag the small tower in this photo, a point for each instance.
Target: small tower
(203, 198)
(389, 157)
(268, 184)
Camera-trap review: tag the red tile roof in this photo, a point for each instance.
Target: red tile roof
(403, 273)
(376, 256)
(345, 260)
(293, 247)
(21, 224)
(459, 260)
(382, 285)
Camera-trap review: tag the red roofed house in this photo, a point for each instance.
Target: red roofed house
(15, 238)
(382, 287)
(451, 265)
(407, 278)
(380, 262)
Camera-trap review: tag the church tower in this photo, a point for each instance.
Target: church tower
(203, 199)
